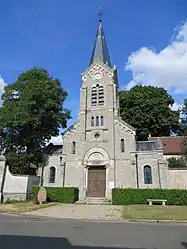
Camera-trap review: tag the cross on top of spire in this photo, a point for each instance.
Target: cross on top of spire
(100, 14)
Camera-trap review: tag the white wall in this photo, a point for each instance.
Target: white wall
(2, 167)
(17, 187)
(169, 156)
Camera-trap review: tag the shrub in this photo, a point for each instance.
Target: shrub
(176, 162)
(58, 194)
(140, 196)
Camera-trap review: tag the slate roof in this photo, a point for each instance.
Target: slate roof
(100, 50)
(53, 149)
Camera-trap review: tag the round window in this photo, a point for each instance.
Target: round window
(97, 135)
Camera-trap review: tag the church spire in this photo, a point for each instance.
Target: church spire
(100, 50)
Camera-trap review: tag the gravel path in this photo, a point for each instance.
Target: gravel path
(75, 211)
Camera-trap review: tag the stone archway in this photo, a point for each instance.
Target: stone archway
(96, 156)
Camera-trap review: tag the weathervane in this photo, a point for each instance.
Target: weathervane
(100, 14)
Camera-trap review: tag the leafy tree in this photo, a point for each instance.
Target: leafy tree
(183, 125)
(147, 109)
(32, 112)
(21, 163)
(183, 128)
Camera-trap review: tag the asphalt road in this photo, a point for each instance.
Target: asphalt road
(18, 232)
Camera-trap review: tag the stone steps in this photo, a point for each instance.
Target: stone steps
(94, 201)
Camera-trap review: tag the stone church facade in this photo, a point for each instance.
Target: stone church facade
(100, 151)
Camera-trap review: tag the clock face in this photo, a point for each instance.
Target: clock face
(97, 76)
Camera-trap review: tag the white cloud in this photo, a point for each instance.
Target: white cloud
(2, 85)
(167, 68)
(176, 107)
(56, 140)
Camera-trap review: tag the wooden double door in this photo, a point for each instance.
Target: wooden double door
(96, 185)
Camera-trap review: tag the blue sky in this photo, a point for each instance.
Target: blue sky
(147, 41)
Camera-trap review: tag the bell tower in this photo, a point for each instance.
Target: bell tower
(98, 94)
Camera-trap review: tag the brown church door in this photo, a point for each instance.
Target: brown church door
(96, 181)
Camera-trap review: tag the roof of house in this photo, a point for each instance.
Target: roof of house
(171, 145)
(53, 149)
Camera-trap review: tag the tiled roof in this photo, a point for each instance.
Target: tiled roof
(171, 145)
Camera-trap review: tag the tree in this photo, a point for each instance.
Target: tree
(183, 128)
(32, 112)
(21, 163)
(147, 109)
(183, 124)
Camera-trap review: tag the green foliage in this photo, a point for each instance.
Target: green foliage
(23, 163)
(122, 196)
(174, 162)
(32, 112)
(59, 194)
(183, 128)
(184, 149)
(183, 125)
(147, 109)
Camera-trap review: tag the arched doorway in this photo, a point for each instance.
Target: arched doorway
(96, 162)
(96, 181)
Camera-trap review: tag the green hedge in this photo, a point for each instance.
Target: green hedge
(58, 194)
(129, 196)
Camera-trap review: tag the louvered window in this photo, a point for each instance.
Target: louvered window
(97, 95)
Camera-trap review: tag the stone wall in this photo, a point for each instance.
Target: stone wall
(53, 161)
(177, 178)
(159, 168)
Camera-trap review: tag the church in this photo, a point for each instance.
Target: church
(100, 151)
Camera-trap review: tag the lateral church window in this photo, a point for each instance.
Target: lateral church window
(122, 145)
(97, 95)
(92, 121)
(73, 147)
(52, 174)
(102, 121)
(97, 121)
(147, 174)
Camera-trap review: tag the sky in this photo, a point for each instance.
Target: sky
(147, 41)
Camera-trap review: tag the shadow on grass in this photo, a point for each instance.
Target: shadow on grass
(33, 242)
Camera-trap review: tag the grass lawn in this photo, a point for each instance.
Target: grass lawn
(154, 212)
(21, 207)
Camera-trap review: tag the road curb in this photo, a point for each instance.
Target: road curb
(72, 219)
(159, 221)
